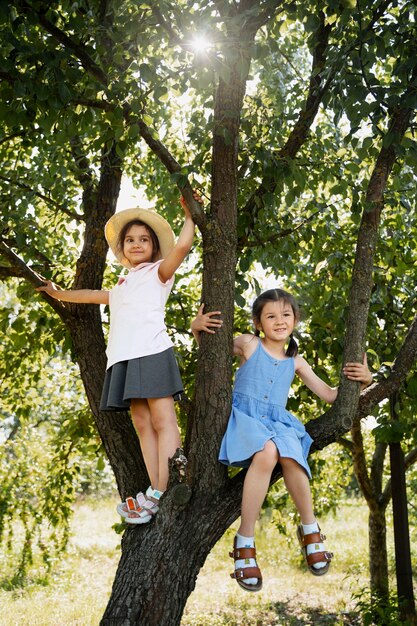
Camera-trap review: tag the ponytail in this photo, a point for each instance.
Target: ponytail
(292, 349)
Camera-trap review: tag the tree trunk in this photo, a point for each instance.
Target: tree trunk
(85, 325)
(378, 558)
(403, 565)
(371, 487)
(160, 561)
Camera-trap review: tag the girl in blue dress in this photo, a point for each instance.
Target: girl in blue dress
(261, 432)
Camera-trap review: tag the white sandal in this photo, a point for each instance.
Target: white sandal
(148, 509)
(144, 515)
(132, 504)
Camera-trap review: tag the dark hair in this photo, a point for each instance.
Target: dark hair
(274, 295)
(155, 241)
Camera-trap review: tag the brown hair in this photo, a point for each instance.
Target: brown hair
(155, 241)
(274, 295)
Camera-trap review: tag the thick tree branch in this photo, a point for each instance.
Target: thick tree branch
(404, 361)
(326, 429)
(172, 166)
(346, 404)
(7, 271)
(302, 127)
(315, 95)
(77, 48)
(19, 267)
(41, 263)
(158, 148)
(155, 145)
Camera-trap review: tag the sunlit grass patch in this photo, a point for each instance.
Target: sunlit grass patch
(78, 592)
(290, 594)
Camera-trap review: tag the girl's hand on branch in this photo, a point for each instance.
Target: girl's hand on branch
(358, 372)
(184, 205)
(49, 288)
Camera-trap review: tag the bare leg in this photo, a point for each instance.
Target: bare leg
(297, 483)
(164, 423)
(298, 486)
(148, 437)
(256, 487)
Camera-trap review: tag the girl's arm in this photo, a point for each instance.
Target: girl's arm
(174, 259)
(353, 371)
(243, 345)
(85, 296)
(204, 322)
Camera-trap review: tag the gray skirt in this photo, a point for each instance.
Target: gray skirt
(153, 376)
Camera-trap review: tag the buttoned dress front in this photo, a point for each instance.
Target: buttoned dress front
(260, 395)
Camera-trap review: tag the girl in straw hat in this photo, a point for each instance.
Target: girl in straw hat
(142, 372)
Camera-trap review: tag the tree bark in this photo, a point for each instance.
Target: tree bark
(378, 558)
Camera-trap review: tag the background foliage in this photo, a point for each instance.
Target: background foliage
(64, 118)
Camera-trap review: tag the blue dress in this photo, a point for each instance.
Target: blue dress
(258, 414)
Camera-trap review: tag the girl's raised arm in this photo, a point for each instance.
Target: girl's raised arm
(353, 371)
(81, 296)
(174, 259)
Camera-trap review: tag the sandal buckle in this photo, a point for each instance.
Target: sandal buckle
(130, 504)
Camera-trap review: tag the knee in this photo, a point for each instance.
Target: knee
(157, 422)
(162, 421)
(268, 457)
(287, 462)
(141, 421)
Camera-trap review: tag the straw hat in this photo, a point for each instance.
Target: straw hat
(152, 219)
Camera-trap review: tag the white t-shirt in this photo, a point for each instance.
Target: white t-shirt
(137, 315)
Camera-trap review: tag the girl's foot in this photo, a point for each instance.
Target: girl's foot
(247, 573)
(312, 547)
(149, 508)
(132, 504)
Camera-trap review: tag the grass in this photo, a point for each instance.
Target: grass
(290, 595)
(77, 592)
(80, 586)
